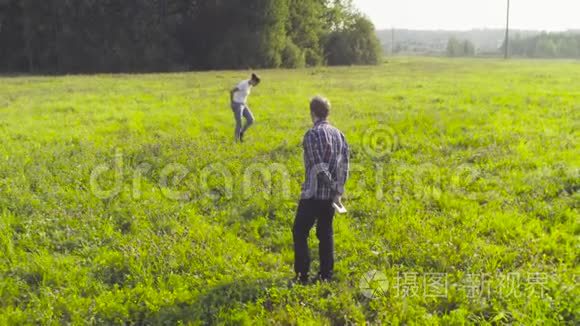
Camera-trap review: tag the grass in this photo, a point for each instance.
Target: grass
(124, 200)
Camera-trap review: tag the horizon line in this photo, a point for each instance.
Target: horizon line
(577, 29)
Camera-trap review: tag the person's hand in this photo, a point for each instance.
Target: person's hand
(338, 206)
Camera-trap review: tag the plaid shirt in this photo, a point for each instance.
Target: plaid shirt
(326, 162)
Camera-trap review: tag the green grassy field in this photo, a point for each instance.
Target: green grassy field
(123, 199)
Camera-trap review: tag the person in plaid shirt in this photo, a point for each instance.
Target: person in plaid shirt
(326, 160)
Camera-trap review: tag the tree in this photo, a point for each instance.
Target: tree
(468, 48)
(62, 36)
(568, 47)
(547, 45)
(305, 29)
(454, 48)
(545, 48)
(293, 56)
(355, 43)
(457, 48)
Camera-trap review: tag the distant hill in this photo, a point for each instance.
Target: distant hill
(486, 41)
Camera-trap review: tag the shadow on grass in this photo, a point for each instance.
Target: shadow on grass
(208, 306)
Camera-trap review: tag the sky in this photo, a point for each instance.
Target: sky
(548, 15)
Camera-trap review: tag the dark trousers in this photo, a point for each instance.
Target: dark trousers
(312, 211)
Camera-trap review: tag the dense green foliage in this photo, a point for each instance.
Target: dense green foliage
(113, 36)
(351, 45)
(459, 166)
(546, 45)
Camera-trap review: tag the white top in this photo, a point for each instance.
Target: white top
(244, 90)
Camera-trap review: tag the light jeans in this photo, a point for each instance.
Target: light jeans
(242, 110)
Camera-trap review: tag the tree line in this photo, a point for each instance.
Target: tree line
(75, 36)
(546, 45)
(460, 48)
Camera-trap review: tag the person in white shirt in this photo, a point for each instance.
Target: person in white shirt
(239, 97)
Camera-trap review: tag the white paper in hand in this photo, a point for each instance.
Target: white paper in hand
(339, 207)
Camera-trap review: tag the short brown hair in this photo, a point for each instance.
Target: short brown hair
(256, 78)
(320, 106)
